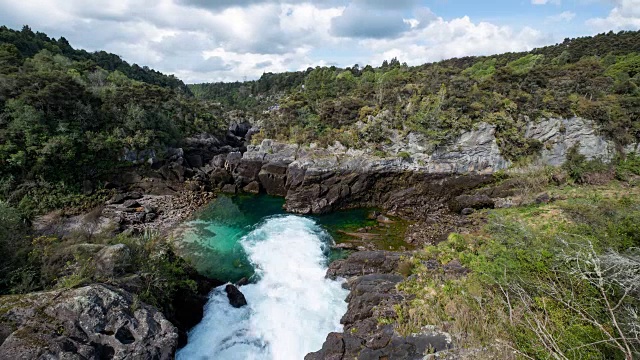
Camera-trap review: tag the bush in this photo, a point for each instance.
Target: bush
(625, 167)
(585, 171)
(14, 248)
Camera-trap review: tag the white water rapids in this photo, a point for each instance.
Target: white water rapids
(292, 307)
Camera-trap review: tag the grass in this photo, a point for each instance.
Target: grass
(519, 276)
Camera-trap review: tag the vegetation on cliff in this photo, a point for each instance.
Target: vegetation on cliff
(597, 78)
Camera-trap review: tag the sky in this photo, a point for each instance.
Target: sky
(230, 40)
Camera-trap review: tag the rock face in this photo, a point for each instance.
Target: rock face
(316, 180)
(476, 202)
(323, 180)
(93, 322)
(559, 135)
(372, 279)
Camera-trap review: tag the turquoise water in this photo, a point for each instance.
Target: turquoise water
(211, 241)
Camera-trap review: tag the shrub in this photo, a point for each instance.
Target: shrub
(625, 167)
(585, 171)
(525, 64)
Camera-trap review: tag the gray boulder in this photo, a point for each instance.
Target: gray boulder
(92, 322)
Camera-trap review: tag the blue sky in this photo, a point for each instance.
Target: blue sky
(228, 40)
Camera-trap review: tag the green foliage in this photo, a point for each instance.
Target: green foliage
(13, 245)
(533, 278)
(628, 166)
(404, 155)
(28, 44)
(592, 77)
(163, 273)
(481, 70)
(627, 66)
(579, 168)
(64, 119)
(525, 64)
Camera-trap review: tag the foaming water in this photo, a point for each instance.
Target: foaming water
(292, 307)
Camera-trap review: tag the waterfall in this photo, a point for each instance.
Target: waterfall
(291, 307)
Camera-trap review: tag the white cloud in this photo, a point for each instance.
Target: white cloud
(624, 16)
(545, 2)
(564, 16)
(199, 40)
(459, 37)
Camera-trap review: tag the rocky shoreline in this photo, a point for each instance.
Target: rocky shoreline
(372, 278)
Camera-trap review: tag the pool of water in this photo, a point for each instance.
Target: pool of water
(211, 240)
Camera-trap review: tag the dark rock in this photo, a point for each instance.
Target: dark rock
(92, 322)
(218, 161)
(242, 282)
(173, 172)
(247, 171)
(239, 128)
(253, 187)
(454, 267)
(195, 161)
(110, 186)
(476, 202)
(187, 308)
(346, 246)
(332, 349)
(175, 153)
(543, 199)
(149, 217)
(149, 209)
(229, 189)
(138, 218)
(236, 298)
(363, 263)
(220, 177)
(120, 198)
(467, 211)
(273, 177)
(374, 296)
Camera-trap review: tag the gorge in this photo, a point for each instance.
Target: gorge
(461, 209)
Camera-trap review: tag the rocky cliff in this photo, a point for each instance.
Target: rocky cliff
(417, 178)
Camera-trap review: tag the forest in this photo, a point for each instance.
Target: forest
(68, 116)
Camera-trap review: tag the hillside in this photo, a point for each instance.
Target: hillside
(30, 43)
(69, 117)
(592, 77)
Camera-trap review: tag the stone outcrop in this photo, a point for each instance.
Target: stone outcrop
(319, 180)
(372, 279)
(323, 180)
(92, 322)
(559, 135)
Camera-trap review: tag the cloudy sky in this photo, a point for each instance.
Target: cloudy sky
(228, 40)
